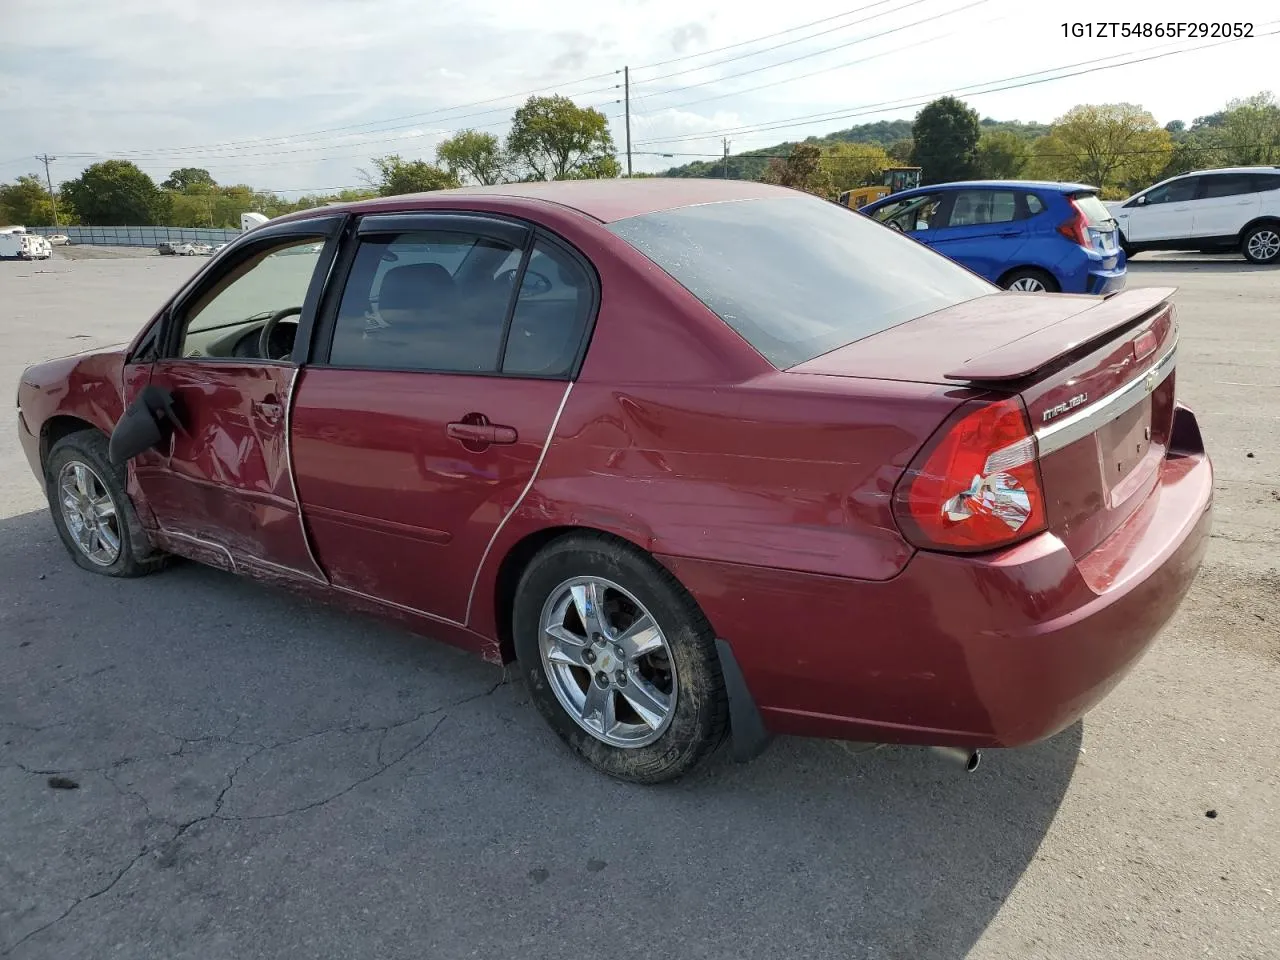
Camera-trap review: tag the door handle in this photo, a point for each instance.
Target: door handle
(481, 433)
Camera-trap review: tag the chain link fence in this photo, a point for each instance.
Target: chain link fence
(137, 236)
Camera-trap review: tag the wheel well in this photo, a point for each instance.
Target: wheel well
(512, 568)
(1260, 221)
(55, 428)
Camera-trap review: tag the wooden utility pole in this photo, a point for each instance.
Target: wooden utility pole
(726, 158)
(53, 197)
(626, 96)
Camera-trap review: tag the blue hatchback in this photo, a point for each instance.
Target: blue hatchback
(1019, 234)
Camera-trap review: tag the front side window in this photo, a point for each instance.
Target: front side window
(798, 277)
(912, 214)
(225, 321)
(1179, 191)
(976, 207)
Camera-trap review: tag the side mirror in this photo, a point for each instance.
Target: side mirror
(145, 425)
(1141, 201)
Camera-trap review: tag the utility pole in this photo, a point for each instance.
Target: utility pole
(46, 160)
(626, 95)
(726, 158)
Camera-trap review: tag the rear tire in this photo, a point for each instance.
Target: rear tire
(1029, 280)
(92, 512)
(1262, 243)
(644, 717)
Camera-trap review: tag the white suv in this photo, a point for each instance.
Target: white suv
(1208, 211)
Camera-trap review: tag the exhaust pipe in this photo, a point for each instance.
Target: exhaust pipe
(969, 759)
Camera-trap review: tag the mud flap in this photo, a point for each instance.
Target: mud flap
(745, 723)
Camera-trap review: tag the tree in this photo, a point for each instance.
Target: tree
(1117, 147)
(552, 138)
(801, 170)
(396, 176)
(946, 136)
(1002, 155)
(1251, 130)
(478, 156)
(855, 165)
(27, 202)
(117, 193)
(189, 180)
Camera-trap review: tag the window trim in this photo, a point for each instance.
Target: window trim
(326, 229)
(495, 226)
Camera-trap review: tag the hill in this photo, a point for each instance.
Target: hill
(750, 164)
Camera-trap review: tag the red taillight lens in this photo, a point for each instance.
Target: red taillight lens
(976, 486)
(1077, 228)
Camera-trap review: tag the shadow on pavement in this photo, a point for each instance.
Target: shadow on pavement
(260, 776)
(1207, 264)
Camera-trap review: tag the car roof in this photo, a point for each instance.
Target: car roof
(603, 200)
(1262, 168)
(1060, 186)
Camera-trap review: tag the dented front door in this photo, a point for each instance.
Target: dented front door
(223, 484)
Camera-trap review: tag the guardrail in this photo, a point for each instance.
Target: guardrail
(137, 236)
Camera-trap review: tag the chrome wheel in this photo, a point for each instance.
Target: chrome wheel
(1264, 245)
(608, 662)
(1027, 285)
(89, 513)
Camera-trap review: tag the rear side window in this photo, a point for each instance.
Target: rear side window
(798, 277)
(1266, 181)
(1034, 204)
(976, 207)
(1228, 185)
(1094, 210)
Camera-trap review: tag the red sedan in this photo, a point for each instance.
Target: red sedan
(702, 457)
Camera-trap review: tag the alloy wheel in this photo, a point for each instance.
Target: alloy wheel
(1264, 245)
(1027, 285)
(89, 513)
(608, 662)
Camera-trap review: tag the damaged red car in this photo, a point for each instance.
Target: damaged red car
(706, 459)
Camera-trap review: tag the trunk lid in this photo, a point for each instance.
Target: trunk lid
(1095, 374)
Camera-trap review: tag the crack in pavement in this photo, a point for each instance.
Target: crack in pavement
(216, 814)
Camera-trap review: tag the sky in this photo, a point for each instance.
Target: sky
(296, 95)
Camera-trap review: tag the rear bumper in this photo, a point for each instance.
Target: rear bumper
(999, 650)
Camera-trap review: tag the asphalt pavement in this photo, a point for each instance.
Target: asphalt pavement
(196, 766)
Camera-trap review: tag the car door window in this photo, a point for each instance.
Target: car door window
(978, 207)
(551, 315)
(1227, 185)
(225, 321)
(911, 214)
(1179, 191)
(1262, 182)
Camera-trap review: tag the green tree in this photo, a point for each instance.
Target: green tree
(27, 202)
(946, 136)
(900, 151)
(396, 175)
(474, 155)
(552, 138)
(1002, 155)
(1251, 130)
(855, 165)
(803, 170)
(189, 180)
(1117, 147)
(117, 193)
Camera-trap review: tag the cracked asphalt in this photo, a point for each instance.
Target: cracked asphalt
(196, 766)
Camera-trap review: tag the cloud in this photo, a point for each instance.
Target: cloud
(691, 34)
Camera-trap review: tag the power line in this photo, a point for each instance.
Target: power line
(900, 104)
(813, 73)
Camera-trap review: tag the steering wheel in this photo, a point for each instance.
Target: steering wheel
(269, 328)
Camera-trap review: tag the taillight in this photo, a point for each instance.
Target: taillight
(1077, 228)
(976, 485)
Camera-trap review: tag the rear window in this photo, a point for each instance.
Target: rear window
(1094, 210)
(798, 277)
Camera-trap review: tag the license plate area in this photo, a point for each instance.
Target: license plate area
(1124, 445)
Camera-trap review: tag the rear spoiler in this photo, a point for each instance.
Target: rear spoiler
(1022, 357)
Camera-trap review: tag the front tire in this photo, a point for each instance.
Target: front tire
(1262, 244)
(619, 660)
(91, 510)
